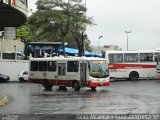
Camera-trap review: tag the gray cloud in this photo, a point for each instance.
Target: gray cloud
(113, 17)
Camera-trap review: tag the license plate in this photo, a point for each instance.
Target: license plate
(101, 83)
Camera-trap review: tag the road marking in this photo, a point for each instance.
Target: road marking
(4, 100)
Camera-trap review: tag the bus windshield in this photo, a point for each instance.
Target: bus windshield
(98, 68)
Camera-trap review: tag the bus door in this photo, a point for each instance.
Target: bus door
(61, 72)
(83, 74)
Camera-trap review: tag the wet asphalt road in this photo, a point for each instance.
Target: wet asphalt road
(121, 97)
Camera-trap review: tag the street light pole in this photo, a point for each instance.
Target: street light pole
(99, 42)
(2, 35)
(127, 37)
(84, 38)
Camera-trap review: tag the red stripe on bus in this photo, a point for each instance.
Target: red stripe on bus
(68, 83)
(130, 66)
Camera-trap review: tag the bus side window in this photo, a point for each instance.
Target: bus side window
(34, 65)
(51, 66)
(120, 58)
(110, 57)
(72, 66)
(145, 57)
(131, 57)
(116, 58)
(42, 65)
(157, 58)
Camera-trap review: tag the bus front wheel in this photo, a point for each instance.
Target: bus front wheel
(21, 79)
(133, 75)
(46, 84)
(75, 85)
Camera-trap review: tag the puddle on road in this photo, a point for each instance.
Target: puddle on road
(33, 99)
(71, 93)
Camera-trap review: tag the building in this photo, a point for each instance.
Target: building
(13, 13)
(110, 47)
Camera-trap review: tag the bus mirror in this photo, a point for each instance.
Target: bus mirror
(157, 62)
(156, 59)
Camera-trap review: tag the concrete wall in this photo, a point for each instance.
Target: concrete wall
(12, 68)
(8, 45)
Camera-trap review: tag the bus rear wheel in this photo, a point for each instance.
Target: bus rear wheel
(93, 88)
(46, 84)
(75, 85)
(133, 75)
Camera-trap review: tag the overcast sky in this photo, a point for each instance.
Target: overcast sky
(113, 17)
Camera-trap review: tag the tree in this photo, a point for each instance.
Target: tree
(55, 20)
(24, 34)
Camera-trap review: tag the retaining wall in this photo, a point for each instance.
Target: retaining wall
(13, 67)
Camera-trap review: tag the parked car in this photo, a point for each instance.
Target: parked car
(4, 78)
(11, 55)
(23, 76)
(20, 56)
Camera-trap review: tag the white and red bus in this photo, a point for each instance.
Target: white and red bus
(158, 65)
(132, 64)
(72, 72)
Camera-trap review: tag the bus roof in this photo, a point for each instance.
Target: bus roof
(65, 58)
(46, 43)
(134, 51)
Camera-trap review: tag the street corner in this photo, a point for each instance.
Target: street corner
(3, 99)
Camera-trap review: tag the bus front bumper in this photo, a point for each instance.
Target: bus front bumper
(96, 84)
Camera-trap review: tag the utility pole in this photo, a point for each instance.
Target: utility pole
(127, 32)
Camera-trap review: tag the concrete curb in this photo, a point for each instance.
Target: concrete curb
(3, 99)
